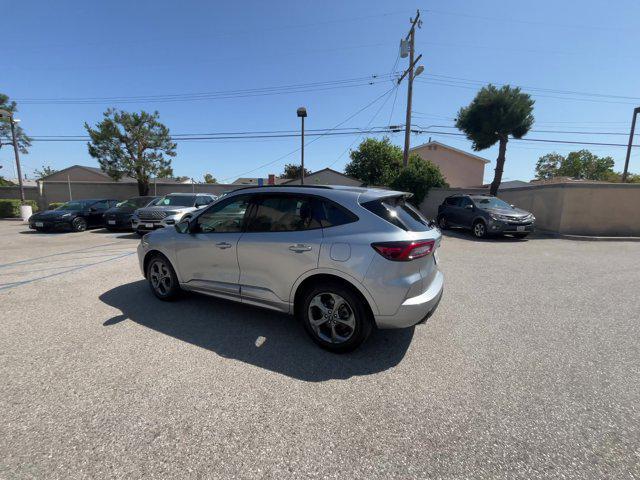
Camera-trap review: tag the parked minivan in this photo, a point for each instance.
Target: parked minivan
(342, 259)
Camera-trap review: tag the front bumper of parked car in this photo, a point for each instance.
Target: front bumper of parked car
(150, 225)
(58, 224)
(416, 309)
(121, 221)
(511, 226)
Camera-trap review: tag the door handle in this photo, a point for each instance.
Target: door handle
(299, 247)
(223, 245)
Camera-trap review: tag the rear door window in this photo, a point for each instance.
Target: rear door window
(400, 213)
(284, 213)
(332, 215)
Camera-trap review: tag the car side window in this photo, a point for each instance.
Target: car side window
(332, 215)
(225, 217)
(100, 205)
(200, 201)
(284, 213)
(464, 201)
(453, 201)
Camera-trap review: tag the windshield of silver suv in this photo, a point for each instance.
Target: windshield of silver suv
(490, 202)
(177, 201)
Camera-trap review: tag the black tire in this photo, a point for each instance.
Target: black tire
(162, 278)
(443, 224)
(521, 235)
(79, 224)
(339, 334)
(479, 229)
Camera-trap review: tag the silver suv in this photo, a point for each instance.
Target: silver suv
(169, 210)
(342, 259)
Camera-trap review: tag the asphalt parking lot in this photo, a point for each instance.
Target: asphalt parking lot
(529, 369)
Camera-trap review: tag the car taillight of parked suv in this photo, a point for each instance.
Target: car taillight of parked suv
(343, 260)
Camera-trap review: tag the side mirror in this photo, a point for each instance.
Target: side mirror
(93, 209)
(469, 207)
(183, 226)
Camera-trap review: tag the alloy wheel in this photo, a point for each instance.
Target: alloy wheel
(331, 318)
(479, 229)
(160, 277)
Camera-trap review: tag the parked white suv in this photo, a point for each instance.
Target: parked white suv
(169, 210)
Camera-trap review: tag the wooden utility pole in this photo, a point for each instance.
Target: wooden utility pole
(411, 36)
(633, 128)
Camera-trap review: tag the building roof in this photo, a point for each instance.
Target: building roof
(509, 184)
(96, 170)
(254, 181)
(326, 169)
(434, 142)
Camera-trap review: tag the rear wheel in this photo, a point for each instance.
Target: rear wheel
(442, 222)
(479, 229)
(335, 317)
(79, 224)
(162, 278)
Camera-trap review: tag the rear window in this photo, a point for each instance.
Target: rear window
(398, 212)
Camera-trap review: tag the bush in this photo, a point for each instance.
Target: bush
(419, 176)
(10, 208)
(54, 205)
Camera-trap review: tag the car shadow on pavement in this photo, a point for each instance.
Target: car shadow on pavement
(266, 339)
(118, 233)
(467, 235)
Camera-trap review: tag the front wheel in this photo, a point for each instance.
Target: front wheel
(479, 229)
(79, 224)
(335, 317)
(162, 278)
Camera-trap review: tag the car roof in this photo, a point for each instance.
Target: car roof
(185, 194)
(363, 194)
(94, 200)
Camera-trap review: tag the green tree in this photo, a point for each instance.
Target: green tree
(375, 162)
(493, 116)
(586, 165)
(292, 170)
(44, 171)
(5, 183)
(581, 164)
(133, 144)
(419, 176)
(24, 142)
(547, 166)
(208, 178)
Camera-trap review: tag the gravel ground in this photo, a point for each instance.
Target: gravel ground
(529, 369)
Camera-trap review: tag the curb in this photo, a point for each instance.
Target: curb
(588, 238)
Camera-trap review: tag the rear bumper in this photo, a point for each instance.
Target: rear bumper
(416, 309)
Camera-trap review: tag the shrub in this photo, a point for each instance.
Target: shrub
(419, 176)
(54, 205)
(10, 208)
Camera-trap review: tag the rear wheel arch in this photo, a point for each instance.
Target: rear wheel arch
(303, 284)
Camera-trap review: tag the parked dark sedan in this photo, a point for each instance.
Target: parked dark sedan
(119, 217)
(77, 215)
(484, 215)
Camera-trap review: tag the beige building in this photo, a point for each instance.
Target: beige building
(460, 169)
(80, 173)
(327, 176)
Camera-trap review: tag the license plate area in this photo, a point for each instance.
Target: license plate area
(111, 222)
(39, 224)
(521, 228)
(148, 225)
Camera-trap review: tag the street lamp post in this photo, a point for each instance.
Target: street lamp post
(302, 113)
(4, 114)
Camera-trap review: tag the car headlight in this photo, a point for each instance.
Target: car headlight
(171, 213)
(66, 215)
(504, 218)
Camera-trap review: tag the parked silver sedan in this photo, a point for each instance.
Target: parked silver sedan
(342, 259)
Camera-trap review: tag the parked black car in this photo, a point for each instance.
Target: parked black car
(77, 215)
(484, 215)
(119, 217)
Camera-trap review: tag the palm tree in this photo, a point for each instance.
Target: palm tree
(493, 116)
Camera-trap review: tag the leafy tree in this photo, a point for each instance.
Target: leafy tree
(375, 162)
(547, 166)
(24, 142)
(44, 172)
(419, 176)
(292, 170)
(133, 144)
(208, 178)
(493, 116)
(6, 183)
(581, 164)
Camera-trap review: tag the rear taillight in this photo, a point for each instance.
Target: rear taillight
(404, 251)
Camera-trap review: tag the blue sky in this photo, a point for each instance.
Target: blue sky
(124, 49)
